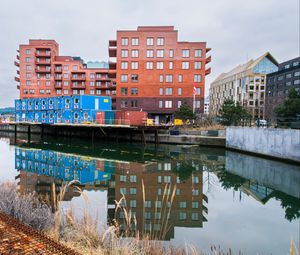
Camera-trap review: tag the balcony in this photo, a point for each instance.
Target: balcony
(208, 60)
(208, 71)
(43, 52)
(112, 65)
(102, 78)
(18, 72)
(112, 52)
(58, 69)
(43, 62)
(43, 70)
(78, 86)
(112, 43)
(78, 78)
(58, 78)
(208, 49)
(112, 75)
(17, 64)
(18, 57)
(58, 85)
(17, 79)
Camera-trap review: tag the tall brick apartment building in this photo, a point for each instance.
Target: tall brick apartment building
(157, 73)
(44, 73)
(149, 70)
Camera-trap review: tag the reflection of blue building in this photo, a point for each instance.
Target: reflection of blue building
(63, 166)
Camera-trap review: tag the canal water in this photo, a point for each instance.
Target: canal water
(180, 194)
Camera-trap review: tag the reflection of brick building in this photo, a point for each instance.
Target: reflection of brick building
(186, 208)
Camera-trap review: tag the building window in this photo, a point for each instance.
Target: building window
(171, 53)
(48, 83)
(124, 53)
(66, 68)
(161, 91)
(160, 104)
(286, 66)
(42, 91)
(122, 178)
(171, 65)
(28, 60)
(185, 65)
(179, 103)
(134, 78)
(160, 41)
(195, 205)
(124, 41)
(198, 53)
(66, 83)
(289, 75)
(159, 65)
(160, 53)
(197, 78)
(28, 51)
(149, 65)
(197, 91)
(169, 91)
(150, 53)
(134, 103)
(28, 82)
(75, 68)
(161, 78)
(124, 78)
(197, 65)
(195, 179)
(134, 91)
(92, 92)
(195, 216)
(280, 78)
(150, 41)
(179, 91)
(123, 191)
(182, 216)
(28, 75)
(157, 204)
(296, 82)
(28, 68)
(132, 203)
(133, 178)
(168, 104)
(48, 91)
(179, 77)
(197, 104)
(297, 74)
(185, 53)
(124, 65)
(124, 91)
(66, 76)
(182, 204)
(66, 92)
(147, 204)
(134, 65)
(133, 191)
(177, 192)
(169, 78)
(134, 53)
(134, 41)
(123, 103)
(296, 63)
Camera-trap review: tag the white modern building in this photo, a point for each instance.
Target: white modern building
(245, 84)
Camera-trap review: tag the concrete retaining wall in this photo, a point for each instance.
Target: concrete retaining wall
(278, 143)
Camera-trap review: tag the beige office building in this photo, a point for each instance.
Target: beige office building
(245, 84)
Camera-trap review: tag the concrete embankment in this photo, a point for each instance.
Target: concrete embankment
(214, 138)
(282, 144)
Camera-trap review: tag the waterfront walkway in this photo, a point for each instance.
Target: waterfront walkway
(18, 238)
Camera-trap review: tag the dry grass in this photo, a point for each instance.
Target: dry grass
(84, 235)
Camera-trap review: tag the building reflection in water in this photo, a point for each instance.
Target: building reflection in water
(168, 199)
(163, 188)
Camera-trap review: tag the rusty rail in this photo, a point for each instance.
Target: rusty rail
(21, 239)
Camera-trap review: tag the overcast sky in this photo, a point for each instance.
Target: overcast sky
(236, 30)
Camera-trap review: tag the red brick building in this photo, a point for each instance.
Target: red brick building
(157, 73)
(149, 70)
(44, 73)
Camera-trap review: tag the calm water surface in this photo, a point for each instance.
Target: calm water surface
(220, 197)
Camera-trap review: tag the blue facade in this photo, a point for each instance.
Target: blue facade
(37, 104)
(50, 117)
(67, 116)
(91, 102)
(52, 103)
(24, 105)
(58, 116)
(18, 105)
(60, 165)
(30, 104)
(44, 103)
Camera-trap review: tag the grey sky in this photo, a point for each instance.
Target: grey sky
(236, 30)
